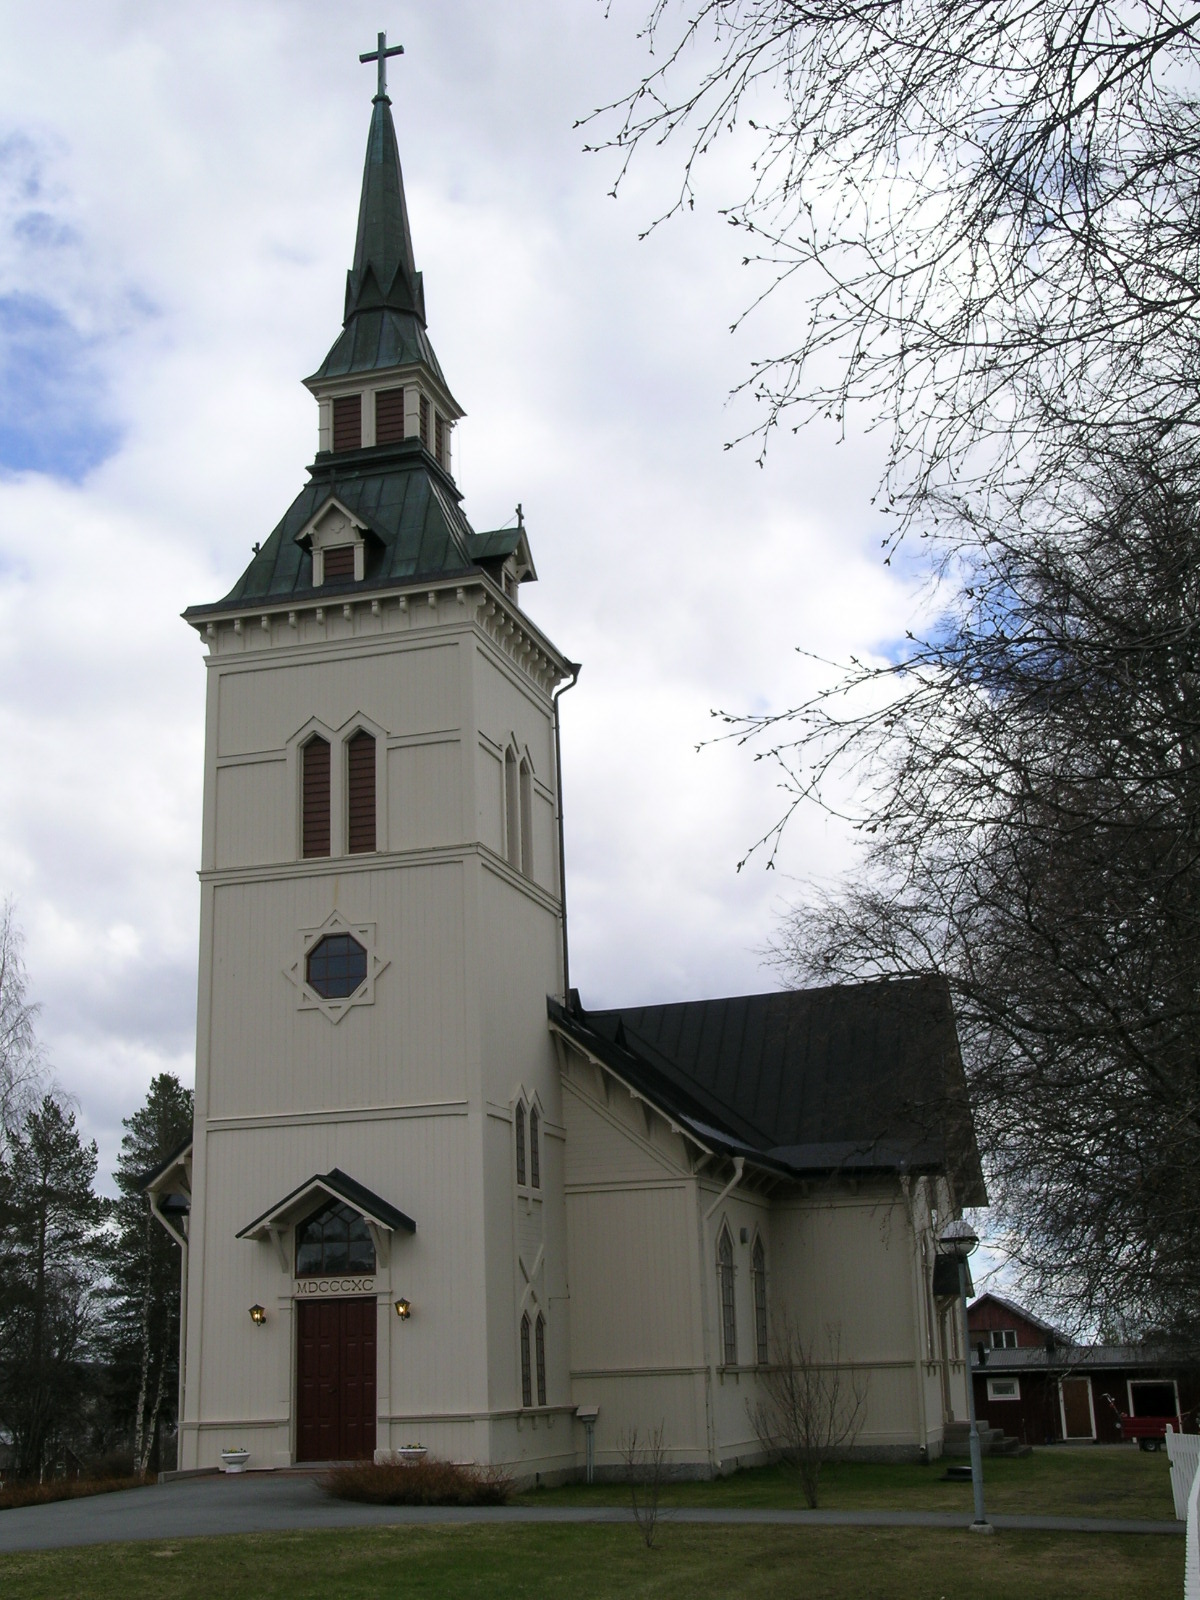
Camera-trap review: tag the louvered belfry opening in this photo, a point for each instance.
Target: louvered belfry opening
(389, 416)
(347, 422)
(360, 772)
(424, 419)
(339, 562)
(315, 804)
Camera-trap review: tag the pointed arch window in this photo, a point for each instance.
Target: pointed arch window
(314, 804)
(535, 1153)
(526, 791)
(360, 793)
(526, 1368)
(758, 1278)
(512, 808)
(539, 1339)
(519, 1134)
(728, 1306)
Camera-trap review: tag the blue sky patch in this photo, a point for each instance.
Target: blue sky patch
(52, 393)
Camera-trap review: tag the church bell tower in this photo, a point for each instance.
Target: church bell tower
(372, 1203)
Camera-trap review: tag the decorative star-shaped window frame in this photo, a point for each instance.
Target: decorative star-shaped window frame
(308, 998)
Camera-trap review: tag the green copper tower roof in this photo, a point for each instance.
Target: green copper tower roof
(384, 322)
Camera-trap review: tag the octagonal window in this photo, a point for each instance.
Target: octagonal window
(336, 966)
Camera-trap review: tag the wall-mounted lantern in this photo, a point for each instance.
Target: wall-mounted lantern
(403, 1309)
(258, 1315)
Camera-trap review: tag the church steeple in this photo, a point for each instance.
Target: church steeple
(384, 271)
(384, 319)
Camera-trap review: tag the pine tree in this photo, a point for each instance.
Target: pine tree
(144, 1261)
(50, 1227)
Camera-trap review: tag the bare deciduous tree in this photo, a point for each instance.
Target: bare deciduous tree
(1030, 798)
(645, 1473)
(987, 212)
(811, 1406)
(21, 1065)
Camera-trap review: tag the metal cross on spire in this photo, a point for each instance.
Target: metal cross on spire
(380, 54)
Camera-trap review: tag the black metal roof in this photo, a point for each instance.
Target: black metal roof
(146, 1179)
(855, 1078)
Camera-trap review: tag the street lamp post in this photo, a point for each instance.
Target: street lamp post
(959, 1240)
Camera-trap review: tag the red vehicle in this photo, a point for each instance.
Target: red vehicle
(1150, 1432)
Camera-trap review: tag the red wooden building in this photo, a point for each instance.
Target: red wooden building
(1040, 1387)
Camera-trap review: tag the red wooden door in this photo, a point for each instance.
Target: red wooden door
(1077, 1408)
(335, 1380)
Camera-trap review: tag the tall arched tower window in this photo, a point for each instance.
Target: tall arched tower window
(314, 803)
(758, 1277)
(526, 791)
(728, 1306)
(526, 1368)
(539, 1336)
(512, 809)
(360, 793)
(535, 1152)
(519, 1132)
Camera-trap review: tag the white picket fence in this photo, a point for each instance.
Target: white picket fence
(1183, 1449)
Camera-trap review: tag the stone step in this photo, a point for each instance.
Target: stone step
(957, 1440)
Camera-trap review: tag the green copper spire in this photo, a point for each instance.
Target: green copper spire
(384, 322)
(384, 271)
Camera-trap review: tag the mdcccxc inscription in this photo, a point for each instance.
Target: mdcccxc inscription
(308, 1287)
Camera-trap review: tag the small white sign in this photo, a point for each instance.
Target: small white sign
(307, 1288)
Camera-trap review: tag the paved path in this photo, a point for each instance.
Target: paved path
(278, 1502)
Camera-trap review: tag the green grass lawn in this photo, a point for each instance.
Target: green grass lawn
(1105, 1481)
(564, 1562)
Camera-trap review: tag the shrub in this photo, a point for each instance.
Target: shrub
(394, 1482)
(28, 1492)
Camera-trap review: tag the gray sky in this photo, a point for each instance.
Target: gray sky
(178, 190)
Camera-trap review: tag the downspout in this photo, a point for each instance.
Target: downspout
(576, 669)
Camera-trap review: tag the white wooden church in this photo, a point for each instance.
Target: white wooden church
(430, 1198)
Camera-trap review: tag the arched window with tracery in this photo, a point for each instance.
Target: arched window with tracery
(758, 1277)
(526, 1369)
(539, 1336)
(334, 1240)
(728, 1306)
(519, 1136)
(535, 1149)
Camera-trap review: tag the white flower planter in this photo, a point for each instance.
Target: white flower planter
(412, 1452)
(234, 1460)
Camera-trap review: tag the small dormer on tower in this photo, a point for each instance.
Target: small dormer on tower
(381, 382)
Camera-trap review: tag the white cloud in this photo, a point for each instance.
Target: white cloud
(197, 173)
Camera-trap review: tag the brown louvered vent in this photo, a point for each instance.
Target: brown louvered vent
(339, 562)
(439, 438)
(347, 422)
(315, 802)
(360, 773)
(389, 416)
(425, 421)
